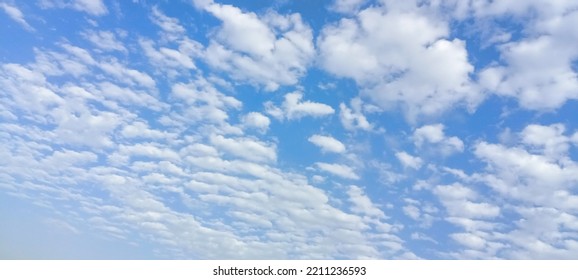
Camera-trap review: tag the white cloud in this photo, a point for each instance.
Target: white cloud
(459, 202)
(140, 129)
(105, 40)
(256, 120)
(167, 58)
(469, 240)
(434, 134)
(204, 102)
(15, 14)
(535, 69)
(171, 27)
(246, 148)
(362, 204)
(412, 211)
(92, 7)
(340, 170)
(527, 177)
(327, 143)
(399, 68)
(408, 160)
(271, 50)
(294, 108)
(103, 125)
(547, 140)
(353, 118)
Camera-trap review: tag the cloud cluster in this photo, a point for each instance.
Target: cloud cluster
(400, 68)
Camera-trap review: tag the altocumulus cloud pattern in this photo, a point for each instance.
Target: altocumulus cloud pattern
(349, 129)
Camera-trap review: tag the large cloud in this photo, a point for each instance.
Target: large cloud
(401, 58)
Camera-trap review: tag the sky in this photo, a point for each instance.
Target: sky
(345, 129)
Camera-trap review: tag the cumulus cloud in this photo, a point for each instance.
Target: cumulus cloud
(269, 50)
(327, 143)
(362, 203)
(105, 40)
(408, 160)
(398, 68)
(537, 69)
(294, 108)
(91, 7)
(353, 118)
(256, 120)
(434, 135)
(340, 170)
(460, 202)
(246, 148)
(15, 14)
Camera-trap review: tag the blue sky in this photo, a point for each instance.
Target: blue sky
(343, 129)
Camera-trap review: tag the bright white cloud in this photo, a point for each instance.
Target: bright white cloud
(398, 69)
(257, 120)
(340, 170)
(294, 108)
(15, 14)
(434, 134)
(269, 50)
(159, 137)
(547, 140)
(246, 148)
(327, 143)
(353, 118)
(529, 177)
(105, 40)
(459, 202)
(362, 204)
(408, 160)
(537, 69)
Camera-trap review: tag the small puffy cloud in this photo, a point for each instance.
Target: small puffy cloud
(469, 240)
(408, 160)
(15, 14)
(327, 143)
(294, 108)
(412, 211)
(256, 120)
(460, 202)
(340, 170)
(91, 7)
(353, 118)
(362, 203)
(434, 134)
(169, 58)
(246, 148)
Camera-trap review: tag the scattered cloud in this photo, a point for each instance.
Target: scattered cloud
(327, 144)
(294, 108)
(340, 170)
(189, 134)
(91, 7)
(408, 160)
(434, 135)
(15, 14)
